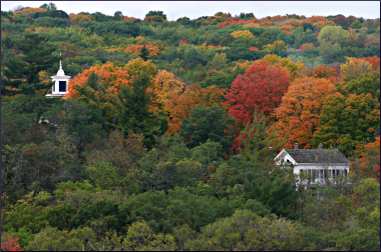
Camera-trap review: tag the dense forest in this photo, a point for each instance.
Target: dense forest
(166, 138)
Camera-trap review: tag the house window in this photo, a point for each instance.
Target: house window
(62, 86)
(314, 174)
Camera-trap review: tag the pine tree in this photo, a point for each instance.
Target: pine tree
(144, 53)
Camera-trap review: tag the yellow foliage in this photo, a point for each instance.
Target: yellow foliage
(295, 68)
(164, 87)
(354, 67)
(43, 77)
(242, 34)
(77, 18)
(277, 45)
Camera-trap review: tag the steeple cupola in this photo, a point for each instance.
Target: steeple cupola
(61, 83)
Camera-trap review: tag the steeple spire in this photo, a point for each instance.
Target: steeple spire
(60, 62)
(60, 71)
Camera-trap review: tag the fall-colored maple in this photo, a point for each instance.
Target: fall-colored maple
(135, 49)
(112, 77)
(260, 88)
(164, 87)
(369, 161)
(180, 106)
(298, 114)
(10, 244)
(328, 72)
(108, 74)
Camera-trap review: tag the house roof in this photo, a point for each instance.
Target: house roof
(317, 156)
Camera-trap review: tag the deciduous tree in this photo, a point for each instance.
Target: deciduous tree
(298, 114)
(260, 88)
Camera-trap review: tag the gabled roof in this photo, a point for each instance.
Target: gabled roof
(317, 156)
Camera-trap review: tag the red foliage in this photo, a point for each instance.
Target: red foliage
(374, 61)
(260, 88)
(183, 41)
(11, 244)
(253, 49)
(328, 72)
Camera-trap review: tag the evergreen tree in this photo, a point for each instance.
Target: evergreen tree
(144, 53)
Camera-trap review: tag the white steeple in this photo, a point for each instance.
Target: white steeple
(60, 71)
(61, 82)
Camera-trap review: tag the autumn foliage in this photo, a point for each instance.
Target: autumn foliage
(180, 106)
(108, 74)
(136, 49)
(369, 163)
(10, 244)
(298, 114)
(260, 88)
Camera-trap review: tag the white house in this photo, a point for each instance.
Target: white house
(314, 166)
(61, 83)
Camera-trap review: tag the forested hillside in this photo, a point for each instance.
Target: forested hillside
(167, 136)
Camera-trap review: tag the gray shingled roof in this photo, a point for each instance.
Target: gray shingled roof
(317, 156)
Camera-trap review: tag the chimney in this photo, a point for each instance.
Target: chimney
(296, 146)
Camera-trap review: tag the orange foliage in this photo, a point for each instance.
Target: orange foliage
(30, 10)
(108, 74)
(318, 21)
(234, 21)
(81, 17)
(374, 61)
(324, 71)
(135, 49)
(129, 19)
(298, 114)
(164, 87)
(153, 49)
(369, 164)
(180, 106)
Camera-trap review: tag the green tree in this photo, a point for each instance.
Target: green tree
(206, 123)
(144, 53)
(140, 237)
(155, 16)
(245, 231)
(133, 113)
(54, 239)
(348, 121)
(332, 40)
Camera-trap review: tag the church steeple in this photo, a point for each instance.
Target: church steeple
(60, 71)
(61, 82)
